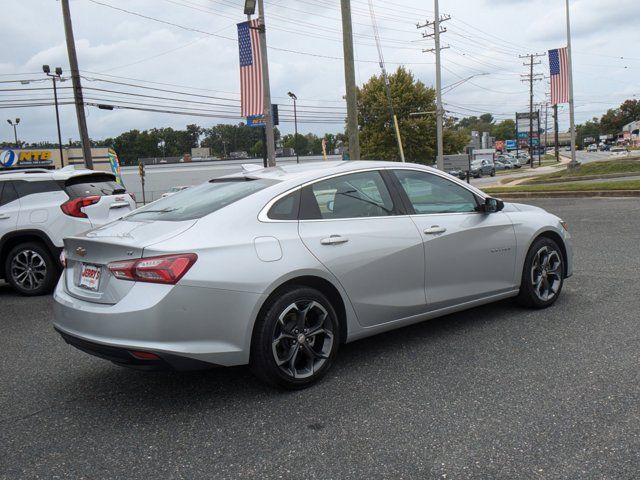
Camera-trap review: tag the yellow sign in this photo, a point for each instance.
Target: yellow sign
(34, 155)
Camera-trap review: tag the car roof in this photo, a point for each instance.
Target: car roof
(36, 174)
(312, 170)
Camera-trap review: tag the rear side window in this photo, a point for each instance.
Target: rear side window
(7, 193)
(197, 202)
(25, 188)
(286, 208)
(92, 185)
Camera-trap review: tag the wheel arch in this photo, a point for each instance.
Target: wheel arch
(11, 239)
(556, 237)
(316, 282)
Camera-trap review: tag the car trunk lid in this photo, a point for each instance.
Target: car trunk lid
(87, 255)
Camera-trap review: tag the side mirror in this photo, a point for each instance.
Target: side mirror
(492, 205)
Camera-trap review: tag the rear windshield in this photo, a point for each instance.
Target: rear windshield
(92, 185)
(196, 202)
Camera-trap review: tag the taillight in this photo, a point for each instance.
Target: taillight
(167, 269)
(74, 207)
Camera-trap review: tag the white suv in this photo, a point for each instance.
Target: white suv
(38, 208)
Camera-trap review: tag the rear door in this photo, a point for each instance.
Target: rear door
(111, 200)
(469, 255)
(351, 224)
(9, 208)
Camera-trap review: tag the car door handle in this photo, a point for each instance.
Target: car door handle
(4, 217)
(334, 240)
(435, 229)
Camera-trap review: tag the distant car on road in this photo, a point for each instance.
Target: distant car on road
(38, 208)
(592, 148)
(278, 267)
(619, 151)
(482, 167)
(174, 190)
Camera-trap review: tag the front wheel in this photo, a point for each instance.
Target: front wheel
(296, 340)
(493, 173)
(543, 274)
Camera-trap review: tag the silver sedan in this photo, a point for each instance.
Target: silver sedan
(277, 267)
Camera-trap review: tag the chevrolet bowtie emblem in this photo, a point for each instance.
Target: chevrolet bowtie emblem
(81, 251)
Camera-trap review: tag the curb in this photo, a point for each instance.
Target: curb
(570, 194)
(579, 179)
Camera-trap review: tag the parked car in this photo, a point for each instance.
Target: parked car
(482, 167)
(592, 148)
(619, 151)
(280, 266)
(174, 190)
(38, 208)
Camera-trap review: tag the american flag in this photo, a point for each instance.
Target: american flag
(559, 70)
(251, 88)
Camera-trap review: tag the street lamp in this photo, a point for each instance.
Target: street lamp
(295, 122)
(249, 7)
(56, 76)
(15, 132)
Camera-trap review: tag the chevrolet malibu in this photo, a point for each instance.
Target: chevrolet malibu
(277, 267)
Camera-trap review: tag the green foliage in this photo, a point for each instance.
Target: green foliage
(136, 144)
(616, 118)
(418, 133)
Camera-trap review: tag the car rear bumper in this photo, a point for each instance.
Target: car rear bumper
(197, 325)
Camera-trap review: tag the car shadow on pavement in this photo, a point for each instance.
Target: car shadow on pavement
(97, 381)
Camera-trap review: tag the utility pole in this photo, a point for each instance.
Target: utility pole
(555, 131)
(437, 49)
(268, 116)
(77, 87)
(531, 77)
(572, 122)
(350, 81)
(15, 130)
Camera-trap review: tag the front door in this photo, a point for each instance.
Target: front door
(468, 254)
(351, 225)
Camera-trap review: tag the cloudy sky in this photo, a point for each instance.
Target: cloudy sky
(181, 56)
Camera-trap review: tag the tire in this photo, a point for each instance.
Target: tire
(283, 353)
(493, 173)
(542, 275)
(30, 269)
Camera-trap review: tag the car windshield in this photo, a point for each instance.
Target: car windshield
(196, 202)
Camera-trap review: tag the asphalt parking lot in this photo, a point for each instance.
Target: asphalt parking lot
(495, 392)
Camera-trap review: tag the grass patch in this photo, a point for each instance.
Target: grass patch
(568, 187)
(594, 169)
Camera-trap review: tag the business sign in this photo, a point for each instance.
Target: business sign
(510, 144)
(255, 121)
(25, 158)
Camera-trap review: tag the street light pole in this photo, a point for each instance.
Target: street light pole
(15, 131)
(56, 77)
(295, 123)
(572, 124)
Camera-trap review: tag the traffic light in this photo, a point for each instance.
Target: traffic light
(141, 170)
(276, 116)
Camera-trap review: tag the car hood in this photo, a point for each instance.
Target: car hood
(522, 207)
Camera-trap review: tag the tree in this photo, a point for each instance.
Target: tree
(616, 118)
(505, 130)
(418, 132)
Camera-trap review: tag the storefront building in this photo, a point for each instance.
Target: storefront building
(49, 158)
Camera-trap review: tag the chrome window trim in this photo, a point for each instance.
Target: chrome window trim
(263, 215)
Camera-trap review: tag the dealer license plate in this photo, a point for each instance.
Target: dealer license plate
(90, 277)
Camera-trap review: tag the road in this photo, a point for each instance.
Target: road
(495, 392)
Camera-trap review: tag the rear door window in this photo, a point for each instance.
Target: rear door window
(7, 193)
(92, 185)
(25, 188)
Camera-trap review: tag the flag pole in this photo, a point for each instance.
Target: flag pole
(572, 123)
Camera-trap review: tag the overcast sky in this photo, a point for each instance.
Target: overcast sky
(197, 55)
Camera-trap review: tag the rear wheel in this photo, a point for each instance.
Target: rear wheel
(296, 340)
(30, 269)
(543, 274)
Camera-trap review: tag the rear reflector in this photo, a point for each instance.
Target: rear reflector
(168, 269)
(145, 355)
(73, 207)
